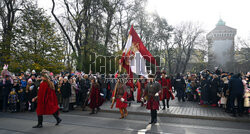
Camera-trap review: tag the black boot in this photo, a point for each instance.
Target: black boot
(152, 117)
(58, 120)
(155, 116)
(97, 110)
(163, 102)
(93, 111)
(40, 122)
(167, 103)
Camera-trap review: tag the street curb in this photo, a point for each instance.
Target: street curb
(185, 116)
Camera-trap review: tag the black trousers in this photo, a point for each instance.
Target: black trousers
(163, 102)
(153, 116)
(239, 98)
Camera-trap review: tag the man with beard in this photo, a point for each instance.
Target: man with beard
(152, 92)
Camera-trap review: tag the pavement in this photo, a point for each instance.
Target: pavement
(181, 109)
(75, 122)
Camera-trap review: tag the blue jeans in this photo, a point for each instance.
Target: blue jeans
(104, 91)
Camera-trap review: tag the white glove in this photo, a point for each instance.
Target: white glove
(88, 92)
(157, 94)
(113, 98)
(122, 99)
(101, 94)
(142, 99)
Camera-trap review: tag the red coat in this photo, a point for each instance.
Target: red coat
(139, 92)
(46, 100)
(152, 104)
(96, 99)
(119, 103)
(166, 88)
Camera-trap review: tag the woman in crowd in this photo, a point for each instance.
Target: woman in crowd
(66, 93)
(72, 99)
(95, 98)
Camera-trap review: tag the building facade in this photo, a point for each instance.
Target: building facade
(221, 47)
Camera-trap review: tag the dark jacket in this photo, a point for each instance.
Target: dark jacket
(66, 90)
(6, 88)
(179, 83)
(84, 85)
(236, 86)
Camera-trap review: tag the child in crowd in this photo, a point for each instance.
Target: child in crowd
(13, 100)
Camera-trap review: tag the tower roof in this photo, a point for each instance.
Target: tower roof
(221, 23)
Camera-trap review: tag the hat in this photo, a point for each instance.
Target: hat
(30, 80)
(163, 72)
(5, 67)
(65, 78)
(151, 76)
(33, 71)
(45, 73)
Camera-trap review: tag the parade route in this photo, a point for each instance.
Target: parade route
(184, 110)
(81, 122)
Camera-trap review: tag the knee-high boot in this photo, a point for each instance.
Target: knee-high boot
(167, 103)
(122, 114)
(125, 112)
(163, 102)
(56, 115)
(40, 122)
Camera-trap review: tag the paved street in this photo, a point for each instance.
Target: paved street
(185, 110)
(77, 121)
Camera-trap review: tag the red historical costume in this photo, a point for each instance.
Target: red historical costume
(152, 91)
(46, 101)
(140, 84)
(96, 99)
(120, 96)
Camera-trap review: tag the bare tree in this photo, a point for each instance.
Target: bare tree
(186, 37)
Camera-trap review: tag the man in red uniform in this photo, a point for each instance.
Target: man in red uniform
(152, 91)
(120, 96)
(141, 83)
(166, 89)
(46, 100)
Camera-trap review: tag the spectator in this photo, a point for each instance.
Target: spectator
(236, 89)
(7, 86)
(66, 93)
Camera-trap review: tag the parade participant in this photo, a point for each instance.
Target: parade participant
(166, 89)
(95, 98)
(179, 86)
(152, 91)
(120, 96)
(140, 90)
(46, 100)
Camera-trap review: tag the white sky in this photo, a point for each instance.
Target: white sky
(236, 13)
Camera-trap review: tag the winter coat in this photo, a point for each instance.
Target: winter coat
(236, 86)
(66, 90)
(46, 100)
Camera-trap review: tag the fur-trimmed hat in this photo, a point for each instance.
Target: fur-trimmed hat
(151, 76)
